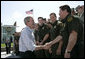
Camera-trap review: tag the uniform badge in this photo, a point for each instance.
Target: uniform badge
(63, 26)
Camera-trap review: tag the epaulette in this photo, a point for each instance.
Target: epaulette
(60, 23)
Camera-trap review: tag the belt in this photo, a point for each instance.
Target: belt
(26, 52)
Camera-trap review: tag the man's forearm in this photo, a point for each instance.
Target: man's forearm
(45, 38)
(49, 44)
(39, 47)
(60, 44)
(72, 41)
(58, 38)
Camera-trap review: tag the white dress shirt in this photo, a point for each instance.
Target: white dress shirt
(27, 40)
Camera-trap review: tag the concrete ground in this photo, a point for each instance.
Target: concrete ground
(11, 55)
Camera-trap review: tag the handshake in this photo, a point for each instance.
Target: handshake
(47, 46)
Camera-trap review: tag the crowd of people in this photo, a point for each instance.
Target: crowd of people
(52, 38)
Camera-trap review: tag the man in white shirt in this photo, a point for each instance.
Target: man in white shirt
(27, 40)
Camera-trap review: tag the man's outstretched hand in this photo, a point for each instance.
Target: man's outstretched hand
(47, 46)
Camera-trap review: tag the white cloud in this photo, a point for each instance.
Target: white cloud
(16, 14)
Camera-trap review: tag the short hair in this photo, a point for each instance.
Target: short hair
(53, 14)
(66, 7)
(78, 7)
(44, 19)
(27, 19)
(40, 18)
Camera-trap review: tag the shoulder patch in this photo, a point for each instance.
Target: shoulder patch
(70, 19)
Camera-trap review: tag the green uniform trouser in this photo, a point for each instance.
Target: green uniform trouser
(40, 54)
(54, 51)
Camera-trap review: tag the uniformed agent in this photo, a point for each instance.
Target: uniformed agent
(54, 32)
(42, 37)
(71, 34)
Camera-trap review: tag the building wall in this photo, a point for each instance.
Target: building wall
(7, 32)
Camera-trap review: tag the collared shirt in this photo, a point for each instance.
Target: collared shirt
(27, 40)
(72, 25)
(42, 31)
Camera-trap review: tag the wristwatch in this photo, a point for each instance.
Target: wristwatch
(68, 51)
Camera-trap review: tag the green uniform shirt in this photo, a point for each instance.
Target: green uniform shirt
(42, 31)
(54, 32)
(71, 23)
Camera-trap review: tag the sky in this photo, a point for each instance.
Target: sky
(12, 11)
